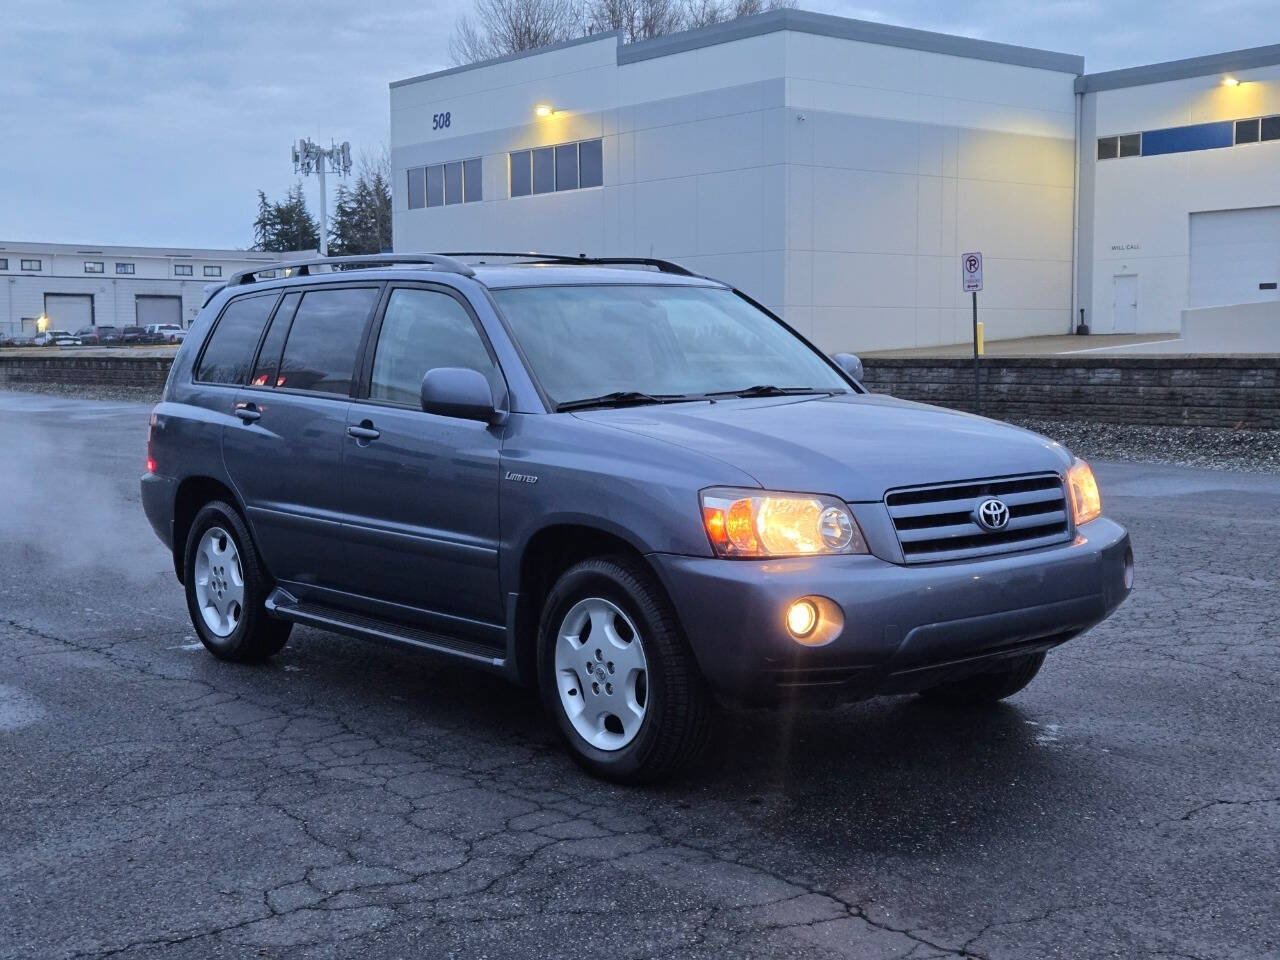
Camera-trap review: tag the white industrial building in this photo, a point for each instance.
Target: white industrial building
(1180, 196)
(836, 169)
(81, 285)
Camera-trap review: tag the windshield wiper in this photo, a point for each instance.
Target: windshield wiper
(621, 398)
(769, 390)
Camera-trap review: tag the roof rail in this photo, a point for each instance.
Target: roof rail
(662, 266)
(302, 268)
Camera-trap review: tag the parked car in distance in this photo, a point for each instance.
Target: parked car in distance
(133, 335)
(15, 341)
(60, 338)
(166, 332)
(628, 485)
(98, 334)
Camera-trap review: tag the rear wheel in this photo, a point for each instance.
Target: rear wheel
(988, 687)
(616, 674)
(227, 587)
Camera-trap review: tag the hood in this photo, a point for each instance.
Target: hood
(855, 447)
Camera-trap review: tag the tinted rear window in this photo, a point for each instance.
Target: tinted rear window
(264, 375)
(229, 352)
(320, 353)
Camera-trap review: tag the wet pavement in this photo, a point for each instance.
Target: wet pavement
(355, 800)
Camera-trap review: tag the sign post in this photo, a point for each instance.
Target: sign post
(971, 283)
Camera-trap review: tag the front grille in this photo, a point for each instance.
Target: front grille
(938, 523)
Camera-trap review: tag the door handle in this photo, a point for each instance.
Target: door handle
(248, 412)
(364, 431)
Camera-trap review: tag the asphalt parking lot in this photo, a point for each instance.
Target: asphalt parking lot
(353, 800)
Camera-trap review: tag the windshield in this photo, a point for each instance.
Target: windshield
(647, 343)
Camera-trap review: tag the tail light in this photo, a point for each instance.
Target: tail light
(151, 432)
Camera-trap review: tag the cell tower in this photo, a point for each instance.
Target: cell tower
(309, 158)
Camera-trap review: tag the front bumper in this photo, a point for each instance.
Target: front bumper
(905, 628)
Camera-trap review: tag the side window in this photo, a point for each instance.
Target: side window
(229, 352)
(422, 330)
(320, 352)
(266, 372)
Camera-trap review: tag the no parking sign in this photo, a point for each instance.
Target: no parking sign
(971, 272)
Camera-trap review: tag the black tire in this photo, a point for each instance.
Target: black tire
(988, 687)
(678, 706)
(257, 636)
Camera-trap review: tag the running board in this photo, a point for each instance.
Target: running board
(287, 607)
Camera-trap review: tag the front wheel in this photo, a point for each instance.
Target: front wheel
(226, 589)
(988, 687)
(616, 673)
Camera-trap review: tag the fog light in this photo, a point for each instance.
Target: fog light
(802, 617)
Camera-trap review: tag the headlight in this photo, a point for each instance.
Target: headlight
(749, 523)
(1086, 501)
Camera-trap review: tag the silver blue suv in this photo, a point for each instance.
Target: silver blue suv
(626, 484)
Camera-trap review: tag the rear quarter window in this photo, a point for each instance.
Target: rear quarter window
(230, 349)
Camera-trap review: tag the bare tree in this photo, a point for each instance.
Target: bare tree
(500, 27)
(637, 19)
(703, 13)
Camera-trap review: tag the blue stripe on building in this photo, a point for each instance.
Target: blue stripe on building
(1200, 136)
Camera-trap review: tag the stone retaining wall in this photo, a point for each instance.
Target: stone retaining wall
(1188, 391)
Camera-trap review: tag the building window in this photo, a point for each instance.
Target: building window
(4, 264)
(1108, 148)
(94, 266)
(544, 170)
(566, 166)
(1247, 131)
(30, 264)
(125, 269)
(182, 270)
(1131, 145)
(591, 163)
(267, 274)
(472, 181)
(1270, 128)
(213, 271)
(521, 179)
(459, 181)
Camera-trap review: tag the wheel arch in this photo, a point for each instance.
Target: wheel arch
(192, 494)
(547, 554)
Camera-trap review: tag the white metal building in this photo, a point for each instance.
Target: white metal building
(80, 285)
(835, 169)
(1180, 194)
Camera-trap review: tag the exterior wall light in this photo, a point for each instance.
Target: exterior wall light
(543, 110)
(1230, 82)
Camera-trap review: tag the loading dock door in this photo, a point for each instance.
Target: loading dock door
(1235, 256)
(68, 311)
(158, 310)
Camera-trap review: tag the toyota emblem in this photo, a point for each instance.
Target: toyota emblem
(992, 514)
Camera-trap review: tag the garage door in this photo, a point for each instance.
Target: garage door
(68, 311)
(158, 310)
(1235, 256)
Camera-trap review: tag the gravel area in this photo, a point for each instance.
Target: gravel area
(89, 391)
(1219, 448)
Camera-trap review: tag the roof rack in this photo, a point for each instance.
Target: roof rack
(662, 266)
(302, 268)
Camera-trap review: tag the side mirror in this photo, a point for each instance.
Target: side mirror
(458, 392)
(850, 364)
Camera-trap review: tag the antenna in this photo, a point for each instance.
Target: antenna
(308, 158)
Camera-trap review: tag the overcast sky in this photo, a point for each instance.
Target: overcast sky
(156, 121)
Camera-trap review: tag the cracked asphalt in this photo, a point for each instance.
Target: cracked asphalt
(350, 800)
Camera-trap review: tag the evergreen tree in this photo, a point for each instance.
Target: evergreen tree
(285, 224)
(362, 214)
